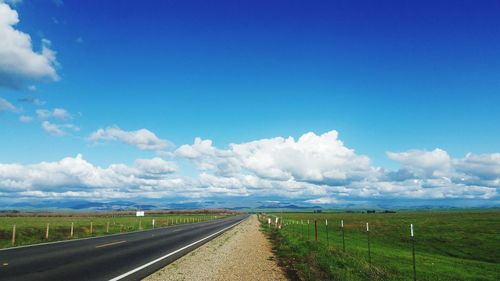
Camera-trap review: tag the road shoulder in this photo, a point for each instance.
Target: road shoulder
(242, 253)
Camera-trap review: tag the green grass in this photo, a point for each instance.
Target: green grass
(449, 245)
(31, 229)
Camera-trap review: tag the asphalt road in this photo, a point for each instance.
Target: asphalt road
(129, 256)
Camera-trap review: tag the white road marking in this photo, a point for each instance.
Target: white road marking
(169, 254)
(111, 244)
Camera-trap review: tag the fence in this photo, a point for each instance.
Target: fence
(333, 235)
(16, 231)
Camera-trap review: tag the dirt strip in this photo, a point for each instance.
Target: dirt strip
(242, 253)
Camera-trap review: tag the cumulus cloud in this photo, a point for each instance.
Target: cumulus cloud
(57, 113)
(436, 163)
(311, 158)
(316, 169)
(52, 129)
(5, 105)
(58, 129)
(142, 138)
(333, 170)
(155, 166)
(486, 166)
(74, 177)
(47, 175)
(322, 200)
(25, 118)
(19, 63)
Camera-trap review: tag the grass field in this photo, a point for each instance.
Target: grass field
(31, 228)
(458, 245)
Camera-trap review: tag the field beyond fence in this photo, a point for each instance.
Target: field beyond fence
(448, 245)
(27, 229)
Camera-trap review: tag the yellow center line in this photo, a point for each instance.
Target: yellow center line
(110, 244)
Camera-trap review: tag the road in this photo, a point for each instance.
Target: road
(129, 256)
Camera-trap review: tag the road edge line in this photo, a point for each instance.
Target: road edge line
(172, 253)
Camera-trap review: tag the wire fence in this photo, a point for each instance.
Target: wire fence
(17, 231)
(354, 238)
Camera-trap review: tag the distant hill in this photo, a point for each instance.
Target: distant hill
(287, 206)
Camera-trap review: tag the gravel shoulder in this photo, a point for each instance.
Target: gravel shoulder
(242, 253)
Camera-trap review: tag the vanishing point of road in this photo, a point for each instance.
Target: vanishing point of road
(129, 256)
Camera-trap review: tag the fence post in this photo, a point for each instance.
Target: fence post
(326, 228)
(315, 230)
(13, 235)
(369, 251)
(153, 223)
(413, 253)
(71, 232)
(107, 227)
(91, 228)
(343, 236)
(47, 232)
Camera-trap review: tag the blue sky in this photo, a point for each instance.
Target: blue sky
(408, 77)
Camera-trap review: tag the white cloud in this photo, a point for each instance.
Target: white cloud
(61, 113)
(436, 163)
(142, 138)
(58, 129)
(5, 105)
(483, 165)
(311, 158)
(76, 177)
(319, 169)
(323, 200)
(25, 118)
(155, 166)
(18, 62)
(57, 113)
(52, 129)
(331, 169)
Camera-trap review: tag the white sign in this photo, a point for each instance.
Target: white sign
(411, 230)
(367, 227)
(139, 214)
